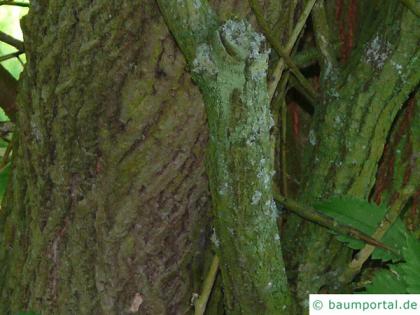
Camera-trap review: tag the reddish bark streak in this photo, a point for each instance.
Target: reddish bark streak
(387, 166)
(346, 27)
(294, 110)
(352, 23)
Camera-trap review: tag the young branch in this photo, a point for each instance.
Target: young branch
(229, 64)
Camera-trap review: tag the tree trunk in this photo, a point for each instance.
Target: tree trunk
(230, 66)
(349, 130)
(108, 208)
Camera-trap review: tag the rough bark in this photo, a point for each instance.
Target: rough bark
(229, 66)
(109, 201)
(350, 128)
(108, 208)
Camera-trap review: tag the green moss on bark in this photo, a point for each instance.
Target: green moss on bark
(109, 200)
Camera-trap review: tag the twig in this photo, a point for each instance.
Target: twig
(201, 302)
(391, 216)
(17, 3)
(282, 53)
(11, 55)
(315, 216)
(412, 6)
(11, 41)
(278, 70)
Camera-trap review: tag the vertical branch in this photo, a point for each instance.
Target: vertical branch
(229, 65)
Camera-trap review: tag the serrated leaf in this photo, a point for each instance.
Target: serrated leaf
(411, 267)
(403, 277)
(388, 281)
(365, 217)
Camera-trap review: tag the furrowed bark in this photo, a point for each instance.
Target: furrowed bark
(230, 67)
(108, 205)
(348, 134)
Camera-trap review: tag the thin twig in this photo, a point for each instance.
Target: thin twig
(282, 53)
(278, 70)
(17, 3)
(11, 41)
(201, 302)
(330, 223)
(11, 55)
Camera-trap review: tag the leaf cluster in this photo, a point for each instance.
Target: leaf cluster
(402, 274)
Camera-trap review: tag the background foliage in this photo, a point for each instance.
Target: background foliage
(9, 24)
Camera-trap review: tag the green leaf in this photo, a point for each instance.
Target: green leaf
(3, 144)
(365, 217)
(388, 281)
(411, 267)
(403, 277)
